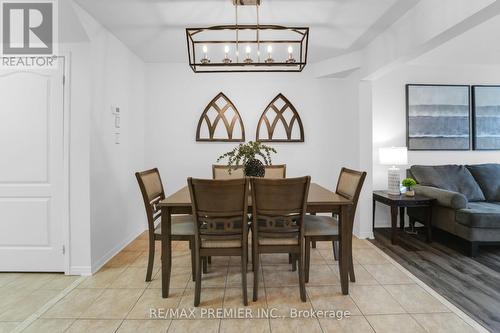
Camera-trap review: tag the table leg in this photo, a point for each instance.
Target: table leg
(345, 248)
(429, 224)
(394, 223)
(166, 251)
(402, 218)
(313, 243)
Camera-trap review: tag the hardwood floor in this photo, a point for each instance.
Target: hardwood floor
(472, 284)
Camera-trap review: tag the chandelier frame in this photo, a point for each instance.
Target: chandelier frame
(298, 37)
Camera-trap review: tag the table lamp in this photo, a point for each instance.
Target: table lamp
(393, 156)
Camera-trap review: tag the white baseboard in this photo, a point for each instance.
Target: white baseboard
(384, 224)
(364, 235)
(96, 266)
(80, 270)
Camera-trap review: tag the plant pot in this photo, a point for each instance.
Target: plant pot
(410, 193)
(254, 168)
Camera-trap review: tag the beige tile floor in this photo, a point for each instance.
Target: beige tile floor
(116, 299)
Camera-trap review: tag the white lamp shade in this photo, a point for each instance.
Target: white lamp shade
(393, 156)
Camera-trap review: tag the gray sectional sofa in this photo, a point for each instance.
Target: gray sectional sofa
(467, 201)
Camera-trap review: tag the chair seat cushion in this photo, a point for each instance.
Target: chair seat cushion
(480, 215)
(320, 226)
(182, 225)
(278, 241)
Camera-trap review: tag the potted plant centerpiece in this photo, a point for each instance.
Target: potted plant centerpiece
(409, 183)
(247, 155)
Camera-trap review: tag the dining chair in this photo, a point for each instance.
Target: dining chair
(275, 171)
(326, 228)
(278, 211)
(221, 228)
(222, 172)
(182, 225)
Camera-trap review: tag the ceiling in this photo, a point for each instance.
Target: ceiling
(155, 29)
(477, 46)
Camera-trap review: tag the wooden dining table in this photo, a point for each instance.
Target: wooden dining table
(319, 200)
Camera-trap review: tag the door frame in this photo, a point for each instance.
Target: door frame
(66, 109)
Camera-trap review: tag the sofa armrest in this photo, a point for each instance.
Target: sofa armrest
(444, 198)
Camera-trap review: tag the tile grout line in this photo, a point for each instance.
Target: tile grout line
(406, 311)
(132, 307)
(354, 302)
(462, 315)
(180, 299)
(261, 268)
(396, 314)
(28, 321)
(312, 307)
(225, 286)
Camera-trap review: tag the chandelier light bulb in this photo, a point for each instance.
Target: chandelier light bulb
(290, 59)
(248, 50)
(226, 59)
(269, 59)
(205, 59)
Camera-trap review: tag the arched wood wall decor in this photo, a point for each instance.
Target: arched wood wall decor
(280, 112)
(220, 112)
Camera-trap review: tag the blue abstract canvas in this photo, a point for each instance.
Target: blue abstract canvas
(486, 116)
(438, 117)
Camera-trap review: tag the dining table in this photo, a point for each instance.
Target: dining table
(319, 200)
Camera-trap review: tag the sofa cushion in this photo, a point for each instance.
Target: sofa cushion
(455, 178)
(480, 215)
(488, 178)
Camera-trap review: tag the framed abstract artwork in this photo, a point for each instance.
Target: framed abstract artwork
(437, 117)
(486, 117)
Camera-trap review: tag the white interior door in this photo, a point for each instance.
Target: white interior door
(32, 173)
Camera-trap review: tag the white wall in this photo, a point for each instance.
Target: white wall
(117, 79)
(176, 97)
(362, 226)
(389, 118)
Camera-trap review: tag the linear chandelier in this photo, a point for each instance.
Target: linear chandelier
(247, 48)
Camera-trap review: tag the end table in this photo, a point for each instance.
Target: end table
(402, 201)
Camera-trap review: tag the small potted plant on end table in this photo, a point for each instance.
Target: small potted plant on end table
(246, 155)
(409, 183)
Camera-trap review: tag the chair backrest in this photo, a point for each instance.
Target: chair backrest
(222, 172)
(219, 208)
(275, 171)
(350, 184)
(152, 193)
(279, 206)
